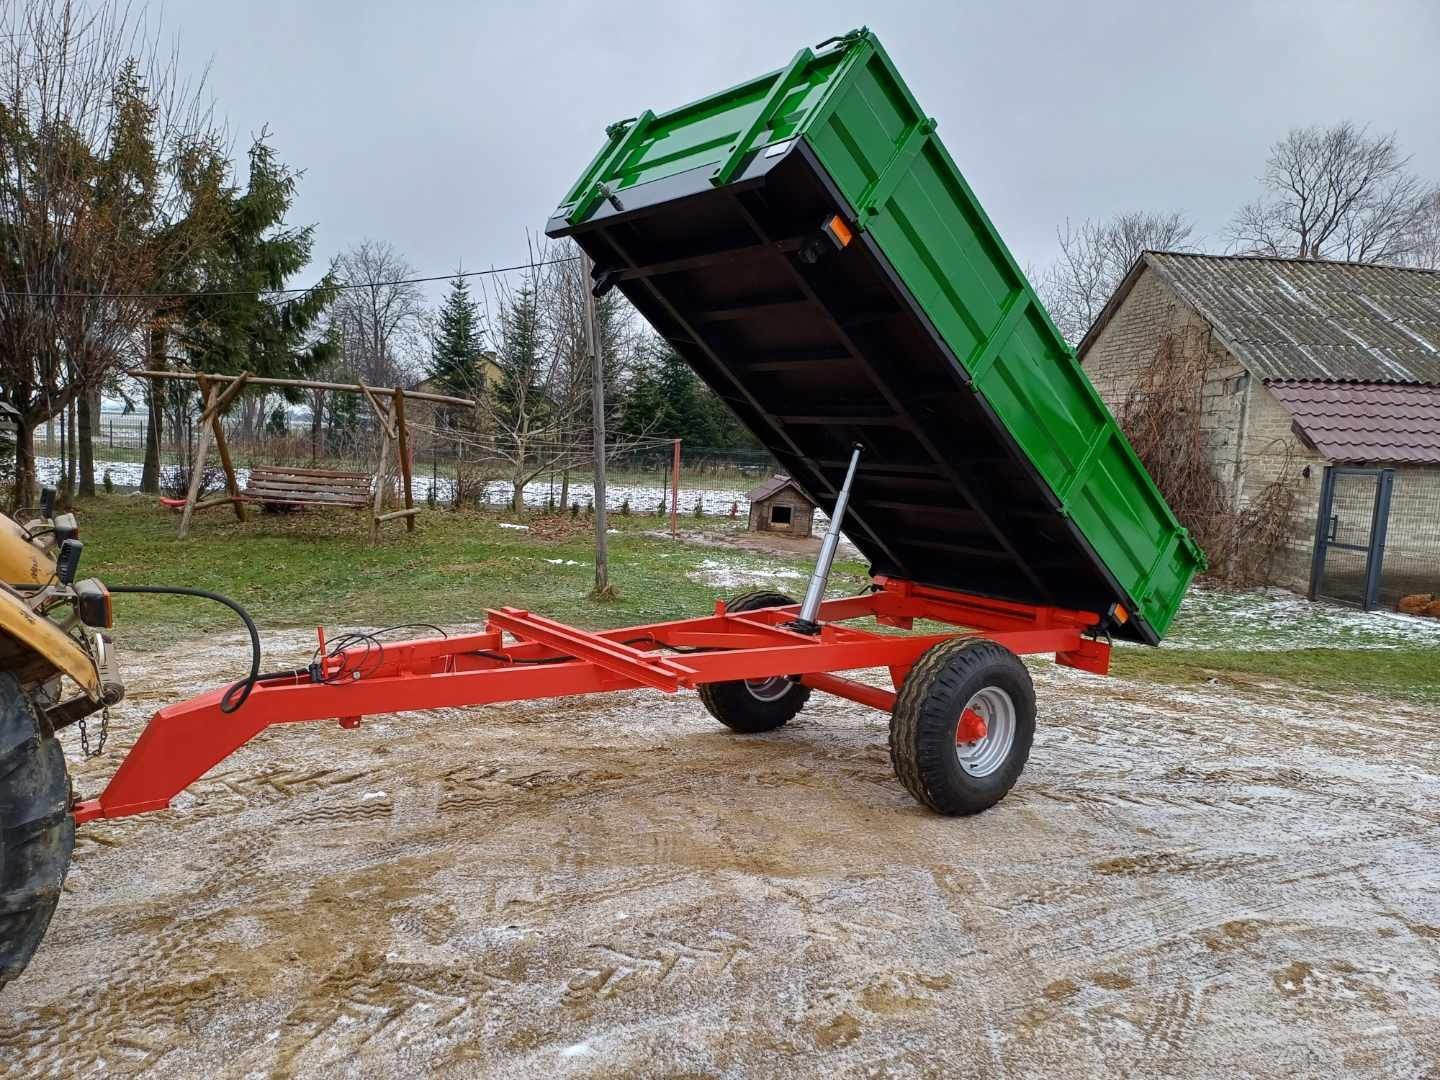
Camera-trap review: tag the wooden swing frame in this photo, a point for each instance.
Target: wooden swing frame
(218, 392)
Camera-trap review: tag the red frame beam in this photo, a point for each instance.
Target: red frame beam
(549, 659)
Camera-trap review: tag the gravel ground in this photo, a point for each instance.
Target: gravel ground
(1186, 882)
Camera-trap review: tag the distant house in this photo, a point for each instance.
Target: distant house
(427, 417)
(1328, 370)
(778, 506)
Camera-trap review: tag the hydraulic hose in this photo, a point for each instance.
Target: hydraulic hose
(235, 696)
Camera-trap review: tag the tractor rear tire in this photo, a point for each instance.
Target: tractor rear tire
(37, 833)
(752, 706)
(942, 768)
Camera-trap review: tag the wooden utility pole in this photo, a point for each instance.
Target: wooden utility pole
(603, 591)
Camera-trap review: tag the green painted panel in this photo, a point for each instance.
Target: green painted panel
(947, 252)
(849, 104)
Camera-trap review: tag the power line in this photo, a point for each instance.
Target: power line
(281, 292)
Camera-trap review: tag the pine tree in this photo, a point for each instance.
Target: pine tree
(455, 363)
(519, 356)
(247, 328)
(664, 398)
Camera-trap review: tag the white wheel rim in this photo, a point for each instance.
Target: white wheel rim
(983, 756)
(771, 689)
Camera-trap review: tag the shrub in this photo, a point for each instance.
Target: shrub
(1164, 418)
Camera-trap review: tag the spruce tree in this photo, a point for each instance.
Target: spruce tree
(237, 323)
(519, 357)
(455, 364)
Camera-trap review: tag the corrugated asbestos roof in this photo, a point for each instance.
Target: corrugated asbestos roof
(1309, 319)
(1353, 422)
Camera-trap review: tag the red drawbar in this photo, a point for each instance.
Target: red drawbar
(543, 658)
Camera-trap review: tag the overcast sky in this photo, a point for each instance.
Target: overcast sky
(449, 128)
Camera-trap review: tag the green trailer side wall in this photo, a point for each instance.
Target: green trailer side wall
(852, 108)
(943, 246)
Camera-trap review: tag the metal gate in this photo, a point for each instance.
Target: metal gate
(1350, 535)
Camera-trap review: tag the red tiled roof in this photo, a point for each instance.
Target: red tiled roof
(1381, 422)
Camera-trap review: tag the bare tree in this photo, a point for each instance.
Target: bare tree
(562, 311)
(100, 143)
(1334, 193)
(1425, 245)
(382, 327)
(1095, 257)
(526, 418)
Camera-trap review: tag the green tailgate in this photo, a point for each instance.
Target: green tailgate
(850, 107)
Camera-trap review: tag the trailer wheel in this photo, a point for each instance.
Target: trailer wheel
(37, 832)
(751, 706)
(962, 727)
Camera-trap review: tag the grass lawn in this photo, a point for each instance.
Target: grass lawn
(1406, 673)
(308, 568)
(317, 567)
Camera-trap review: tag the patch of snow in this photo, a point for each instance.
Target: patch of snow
(576, 1050)
(1276, 619)
(728, 575)
(564, 562)
(512, 525)
(374, 795)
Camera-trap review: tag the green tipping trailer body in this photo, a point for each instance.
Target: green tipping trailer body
(805, 241)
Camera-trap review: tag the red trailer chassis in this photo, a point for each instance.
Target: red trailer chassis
(543, 658)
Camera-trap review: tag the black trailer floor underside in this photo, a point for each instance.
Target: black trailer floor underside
(816, 356)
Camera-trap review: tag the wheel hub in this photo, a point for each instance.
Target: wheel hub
(771, 689)
(985, 731)
(971, 728)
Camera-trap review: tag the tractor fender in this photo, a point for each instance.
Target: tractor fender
(22, 561)
(34, 648)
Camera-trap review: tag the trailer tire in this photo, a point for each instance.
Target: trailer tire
(37, 833)
(752, 706)
(946, 683)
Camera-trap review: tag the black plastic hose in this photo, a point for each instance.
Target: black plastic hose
(229, 701)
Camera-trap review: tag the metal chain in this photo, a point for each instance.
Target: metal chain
(100, 741)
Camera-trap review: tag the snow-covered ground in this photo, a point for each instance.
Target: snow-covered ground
(1277, 619)
(643, 498)
(737, 573)
(1208, 881)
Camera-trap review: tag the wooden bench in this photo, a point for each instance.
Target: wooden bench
(281, 485)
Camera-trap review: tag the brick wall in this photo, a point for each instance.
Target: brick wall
(1250, 436)
(1273, 449)
(1253, 442)
(1128, 344)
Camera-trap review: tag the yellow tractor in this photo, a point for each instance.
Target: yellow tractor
(56, 670)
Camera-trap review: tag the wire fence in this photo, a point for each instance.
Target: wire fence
(449, 468)
(1411, 561)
